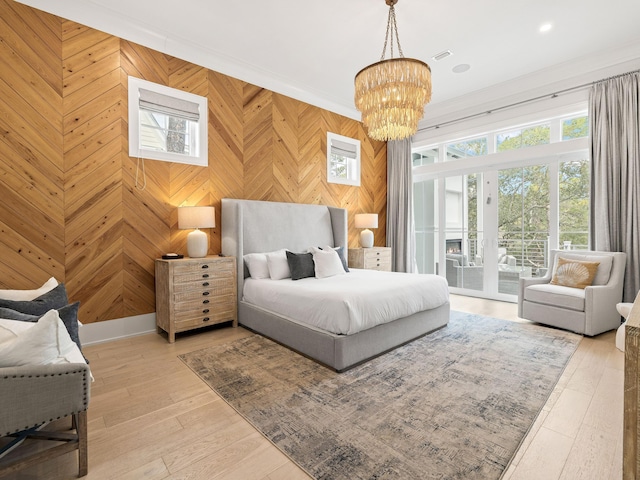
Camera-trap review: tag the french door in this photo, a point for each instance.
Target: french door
(485, 230)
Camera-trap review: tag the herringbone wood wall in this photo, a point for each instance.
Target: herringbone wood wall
(77, 207)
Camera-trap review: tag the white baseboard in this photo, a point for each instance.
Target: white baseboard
(100, 332)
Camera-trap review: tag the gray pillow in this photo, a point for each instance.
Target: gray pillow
(340, 251)
(52, 300)
(68, 315)
(301, 265)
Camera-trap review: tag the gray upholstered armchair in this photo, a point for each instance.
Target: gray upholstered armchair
(589, 311)
(33, 395)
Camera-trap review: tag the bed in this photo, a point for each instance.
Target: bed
(251, 226)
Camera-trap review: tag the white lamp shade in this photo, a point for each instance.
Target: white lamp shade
(196, 217)
(366, 220)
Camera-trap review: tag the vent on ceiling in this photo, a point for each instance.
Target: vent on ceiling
(442, 55)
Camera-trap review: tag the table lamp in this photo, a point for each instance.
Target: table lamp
(366, 221)
(197, 217)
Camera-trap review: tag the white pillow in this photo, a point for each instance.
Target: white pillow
(257, 265)
(343, 260)
(278, 264)
(28, 295)
(327, 263)
(37, 343)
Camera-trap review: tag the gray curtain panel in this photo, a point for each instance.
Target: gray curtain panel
(400, 226)
(614, 123)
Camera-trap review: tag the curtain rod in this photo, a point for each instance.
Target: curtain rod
(522, 102)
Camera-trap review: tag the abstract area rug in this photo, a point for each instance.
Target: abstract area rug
(454, 404)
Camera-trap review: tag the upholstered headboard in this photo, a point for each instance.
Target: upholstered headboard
(252, 226)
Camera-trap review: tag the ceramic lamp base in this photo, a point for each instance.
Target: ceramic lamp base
(366, 238)
(197, 244)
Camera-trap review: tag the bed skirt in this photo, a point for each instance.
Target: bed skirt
(342, 352)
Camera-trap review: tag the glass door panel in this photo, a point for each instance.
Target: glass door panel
(463, 234)
(523, 225)
(425, 203)
(573, 220)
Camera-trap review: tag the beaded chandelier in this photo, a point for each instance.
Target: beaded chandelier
(392, 93)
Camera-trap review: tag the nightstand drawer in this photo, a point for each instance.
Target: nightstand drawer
(213, 286)
(205, 311)
(222, 267)
(375, 255)
(379, 264)
(198, 276)
(204, 320)
(196, 306)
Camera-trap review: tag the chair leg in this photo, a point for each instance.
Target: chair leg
(68, 443)
(80, 421)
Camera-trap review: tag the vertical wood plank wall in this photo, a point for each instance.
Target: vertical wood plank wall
(72, 204)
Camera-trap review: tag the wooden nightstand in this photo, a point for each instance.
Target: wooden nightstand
(374, 258)
(195, 292)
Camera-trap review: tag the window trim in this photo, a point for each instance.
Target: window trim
(201, 157)
(353, 167)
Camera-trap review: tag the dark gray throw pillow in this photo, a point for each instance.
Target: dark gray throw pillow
(68, 315)
(52, 300)
(301, 265)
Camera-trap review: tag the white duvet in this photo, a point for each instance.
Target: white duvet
(349, 303)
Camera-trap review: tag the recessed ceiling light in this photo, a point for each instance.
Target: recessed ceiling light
(545, 27)
(463, 67)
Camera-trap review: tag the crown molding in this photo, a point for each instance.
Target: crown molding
(101, 18)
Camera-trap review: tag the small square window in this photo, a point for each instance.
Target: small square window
(343, 160)
(167, 124)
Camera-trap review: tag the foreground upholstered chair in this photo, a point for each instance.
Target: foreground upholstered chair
(589, 311)
(33, 395)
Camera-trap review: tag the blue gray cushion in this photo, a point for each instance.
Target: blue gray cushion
(52, 300)
(301, 265)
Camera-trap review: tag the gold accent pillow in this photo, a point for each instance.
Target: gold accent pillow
(574, 273)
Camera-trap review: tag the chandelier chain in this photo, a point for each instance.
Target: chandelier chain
(392, 31)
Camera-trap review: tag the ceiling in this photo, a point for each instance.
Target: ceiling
(312, 50)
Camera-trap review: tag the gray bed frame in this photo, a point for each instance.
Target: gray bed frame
(251, 226)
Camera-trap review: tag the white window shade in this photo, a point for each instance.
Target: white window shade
(344, 149)
(172, 106)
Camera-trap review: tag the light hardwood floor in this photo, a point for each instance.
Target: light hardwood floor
(150, 417)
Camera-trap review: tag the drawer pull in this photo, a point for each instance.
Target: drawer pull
(206, 310)
(205, 301)
(205, 293)
(205, 284)
(205, 275)
(205, 319)
(205, 266)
